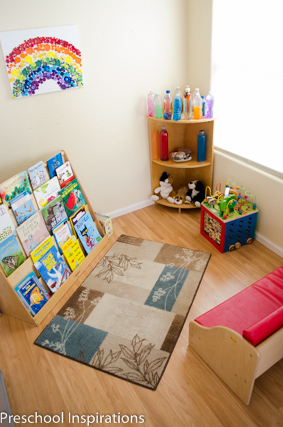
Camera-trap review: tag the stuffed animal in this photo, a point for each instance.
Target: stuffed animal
(165, 191)
(195, 193)
(179, 199)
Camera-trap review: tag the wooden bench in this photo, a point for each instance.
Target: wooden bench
(243, 337)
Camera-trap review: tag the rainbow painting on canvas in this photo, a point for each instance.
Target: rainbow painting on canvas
(42, 60)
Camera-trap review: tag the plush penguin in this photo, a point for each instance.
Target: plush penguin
(195, 194)
(165, 190)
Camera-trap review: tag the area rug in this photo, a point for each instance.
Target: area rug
(126, 317)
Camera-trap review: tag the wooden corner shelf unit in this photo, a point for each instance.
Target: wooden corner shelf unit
(10, 302)
(181, 134)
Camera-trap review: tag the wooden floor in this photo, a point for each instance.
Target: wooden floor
(189, 394)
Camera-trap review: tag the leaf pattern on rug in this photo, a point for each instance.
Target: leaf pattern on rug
(70, 327)
(135, 358)
(192, 258)
(116, 264)
(178, 275)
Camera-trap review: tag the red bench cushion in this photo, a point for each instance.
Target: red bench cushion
(249, 306)
(265, 327)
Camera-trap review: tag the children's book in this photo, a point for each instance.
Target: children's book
(47, 192)
(106, 223)
(6, 224)
(11, 255)
(72, 197)
(73, 253)
(62, 233)
(22, 207)
(50, 265)
(64, 174)
(14, 186)
(54, 213)
(54, 163)
(77, 216)
(87, 232)
(32, 232)
(37, 175)
(32, 293)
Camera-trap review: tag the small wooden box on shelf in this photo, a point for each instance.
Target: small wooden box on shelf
(10, 302)
(181, 134)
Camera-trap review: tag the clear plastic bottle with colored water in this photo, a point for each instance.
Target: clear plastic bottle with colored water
(197, 104)
(209, 106)
(177, 106)
(157, 106)
(201, 155)
(167, 106)
(203, 106)
(164, 153)
(187, 103)
(150, 104)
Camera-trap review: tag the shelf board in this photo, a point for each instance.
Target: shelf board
(181, 165)
(182, 121)
(164, 202)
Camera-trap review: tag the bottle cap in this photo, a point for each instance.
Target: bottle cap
(201, 132)
(167, 91)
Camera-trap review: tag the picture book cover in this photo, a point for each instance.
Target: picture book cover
(72, 197)
(32, 232)
(64, 174)
(47, 192)
(54, 213)
(11, 255)
(73, 253)
(77, 216)
(37, 175)
(22, 207)
(62, 233)
(87, 232)
(6, 224)
(54, 163)
(14, 186)
(32, 293)
(41, 249)
(52, 268)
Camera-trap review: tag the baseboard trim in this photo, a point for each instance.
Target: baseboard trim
(129, 209)
(270, 245)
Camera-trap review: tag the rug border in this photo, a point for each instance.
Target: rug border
(181, 329)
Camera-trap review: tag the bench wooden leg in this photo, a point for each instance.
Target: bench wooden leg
(230, 356)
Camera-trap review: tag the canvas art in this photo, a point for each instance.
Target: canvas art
(42, 60)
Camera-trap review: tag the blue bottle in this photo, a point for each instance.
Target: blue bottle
(177, 107)
(201, 146)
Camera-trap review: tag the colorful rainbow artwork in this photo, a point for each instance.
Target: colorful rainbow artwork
(43, 58)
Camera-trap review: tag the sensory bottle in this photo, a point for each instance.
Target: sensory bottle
(167, 106)
(164, 154)
(187, 104)
(177, 106)
(209, 106)
(150, 104)
(197, 104)
(201, 155)
(157, 106)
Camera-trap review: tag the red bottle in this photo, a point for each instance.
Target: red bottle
(164, 155)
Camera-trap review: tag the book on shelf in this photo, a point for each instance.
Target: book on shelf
(11, 255)
(32, 232)
(53, 163)
(72, 197)
(47, 192)
(7, 227)
(87, 232)
(73, 253)
(37, 175)
(32, 293)
(14, 186)
(64, 174)
(50, 264)
(77, 216)
(22, 207)
(62, 233)
(54, 213)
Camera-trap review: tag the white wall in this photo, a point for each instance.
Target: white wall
(267, 188)
(128, 48)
